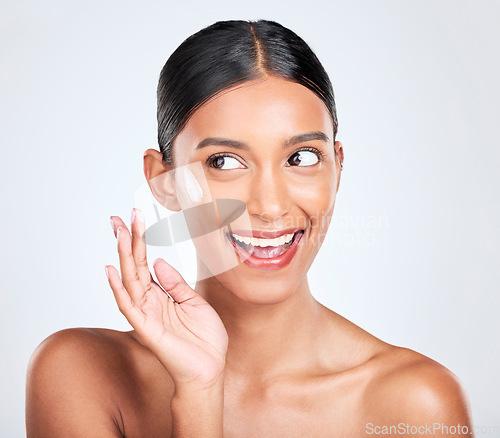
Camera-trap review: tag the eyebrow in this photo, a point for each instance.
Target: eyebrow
(219, 141)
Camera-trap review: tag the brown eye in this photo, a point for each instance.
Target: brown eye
(303, 158)
(224, 162)
(218, 162)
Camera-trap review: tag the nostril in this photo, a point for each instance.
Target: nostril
(271, 217)
(264, 217)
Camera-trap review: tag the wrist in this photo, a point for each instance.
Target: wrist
(197, 411)
(208, 389)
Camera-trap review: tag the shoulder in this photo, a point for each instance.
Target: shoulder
(79, 378)
(78, 340)
(68, 384)
(412, 387)
(75, 350)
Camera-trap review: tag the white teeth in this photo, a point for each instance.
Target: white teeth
(278, 241)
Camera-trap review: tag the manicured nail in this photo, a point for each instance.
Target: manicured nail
(106, 271)
(112, 223)
(137, 214)
(118, 232)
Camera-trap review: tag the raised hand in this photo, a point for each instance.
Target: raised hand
(176, 323)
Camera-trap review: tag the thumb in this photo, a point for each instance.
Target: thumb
(173, 282)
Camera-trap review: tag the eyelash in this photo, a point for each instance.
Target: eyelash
(210, 160)
(319, 153)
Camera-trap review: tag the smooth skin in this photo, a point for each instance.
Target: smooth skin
(247, 353)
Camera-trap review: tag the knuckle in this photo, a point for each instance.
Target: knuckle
(177, 285)
(142, 262)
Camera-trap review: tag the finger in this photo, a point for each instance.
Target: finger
(173, 282)
(130, 277)
(134, 314)
(139, 247)
(141, 260)
(116, 222)
(125, 303)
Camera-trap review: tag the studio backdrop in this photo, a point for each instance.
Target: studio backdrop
(412, 254)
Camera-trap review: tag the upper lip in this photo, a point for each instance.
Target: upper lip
(265, 234)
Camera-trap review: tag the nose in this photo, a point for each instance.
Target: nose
(268, 197)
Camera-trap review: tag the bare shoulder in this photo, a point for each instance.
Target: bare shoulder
(88, 351)
(82, 382)
(80, 344)
(408, 386)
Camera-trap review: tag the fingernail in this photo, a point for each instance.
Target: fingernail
(118, 232)
(112, 223)
(106, 271)
(137, 214)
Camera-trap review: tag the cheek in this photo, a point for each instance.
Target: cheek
(317, 200)
(315, 196)
(231, 189)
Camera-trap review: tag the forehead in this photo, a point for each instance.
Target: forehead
(270, 109)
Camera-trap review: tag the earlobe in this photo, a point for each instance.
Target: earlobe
(160, 180)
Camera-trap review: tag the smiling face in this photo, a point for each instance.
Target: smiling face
(268, 143)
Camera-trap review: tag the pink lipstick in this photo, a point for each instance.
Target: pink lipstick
(266, 250)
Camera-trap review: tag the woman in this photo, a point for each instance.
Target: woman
(247, 111)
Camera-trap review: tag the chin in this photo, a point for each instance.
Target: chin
(262, 287)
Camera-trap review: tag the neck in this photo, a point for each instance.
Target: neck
(267, 340)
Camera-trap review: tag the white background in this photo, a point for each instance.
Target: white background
(413, 254)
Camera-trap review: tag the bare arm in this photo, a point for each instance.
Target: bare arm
(66, 394)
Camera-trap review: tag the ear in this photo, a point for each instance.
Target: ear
(160, 178)
(339, 158)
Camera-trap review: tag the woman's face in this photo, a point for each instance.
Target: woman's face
(278, 157)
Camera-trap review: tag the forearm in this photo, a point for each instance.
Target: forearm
(198, 412)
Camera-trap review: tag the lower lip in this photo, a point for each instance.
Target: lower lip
(271, 264)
